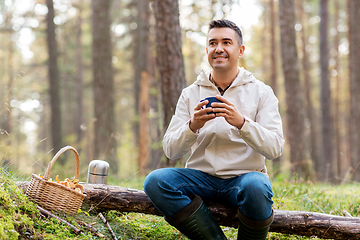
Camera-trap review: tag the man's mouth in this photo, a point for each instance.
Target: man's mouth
(220, 57)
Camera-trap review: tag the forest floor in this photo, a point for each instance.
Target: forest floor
(19, 218)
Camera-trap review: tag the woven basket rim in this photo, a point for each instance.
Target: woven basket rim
(57, 155)
(57, 185)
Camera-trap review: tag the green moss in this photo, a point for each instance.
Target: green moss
(322, 198)
(19, 218)
(15, 211)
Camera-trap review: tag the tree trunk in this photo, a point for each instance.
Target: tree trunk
(170, 62)
(144, 129)
(212, 7)
(349, 128)
(265, 43)
(354, 63)
(141, 52)
(327, 120)
(79, 75)
(104, 126)
(154, 116)
(10, 70)
(142, 76)
(310, 110)
(54, 80)
(274, 67)
(273, 48)
(105, 197)
(340, 163)
(122, 199)
(294, 94)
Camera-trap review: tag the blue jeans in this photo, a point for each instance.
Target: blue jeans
(169, 190)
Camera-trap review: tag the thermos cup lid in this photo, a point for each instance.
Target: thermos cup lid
(98, 167)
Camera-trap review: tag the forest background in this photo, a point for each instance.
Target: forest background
(104, 76)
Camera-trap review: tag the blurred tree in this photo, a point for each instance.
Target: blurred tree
(170, 63)
(273, 47)
(266, 44)
(273, 63)
(340, 165)
(212, 7)
(294, 94)
(194, 23)
(104, 126)
(142, 51)
(54, 81)
(310, 110)
(327, 171)
(10, 69)
(79, 72)
(354, 63)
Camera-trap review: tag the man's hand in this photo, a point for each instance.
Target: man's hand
(200, 116)
(227, 110)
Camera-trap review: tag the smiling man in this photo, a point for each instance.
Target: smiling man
(228, 144)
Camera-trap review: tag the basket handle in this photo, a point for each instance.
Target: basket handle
(61, 151)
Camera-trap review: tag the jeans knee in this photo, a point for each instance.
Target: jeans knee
(255, 196)
(258, 185)
(157, 182)
(151, 181)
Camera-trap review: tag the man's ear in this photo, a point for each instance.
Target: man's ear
(241, 51)
(206, 50)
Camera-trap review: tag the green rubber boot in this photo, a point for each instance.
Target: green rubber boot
(253, 230)
(196, 222)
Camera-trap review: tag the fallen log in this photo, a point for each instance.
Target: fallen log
(105, 197)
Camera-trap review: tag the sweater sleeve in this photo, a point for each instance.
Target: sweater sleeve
(265, 134)
(178, 137)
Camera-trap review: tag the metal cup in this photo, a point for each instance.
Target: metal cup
(98, 172)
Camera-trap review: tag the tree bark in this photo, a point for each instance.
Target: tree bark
(170, 63)
(10, 71)
(105, 197)
(326, 120)
(54, 80)
(144, 129)
(274, 66)
(310, 110)
(294, 94)
(79, 74)
(142, 83)
(169, 58)
(354, 63)
(104, 126)
(290, 222)
(340, 163)
(273, 48)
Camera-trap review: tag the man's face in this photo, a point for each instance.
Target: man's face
(223, 50)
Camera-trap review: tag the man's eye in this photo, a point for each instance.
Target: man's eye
(212, 43)
(227, 42)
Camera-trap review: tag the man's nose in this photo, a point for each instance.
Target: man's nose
(219, 48)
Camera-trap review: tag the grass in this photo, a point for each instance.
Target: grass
(19, 218)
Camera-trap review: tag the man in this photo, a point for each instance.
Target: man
(227, 147)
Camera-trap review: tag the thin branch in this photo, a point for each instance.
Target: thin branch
(49, 214)
(91, 229)
(108, 226)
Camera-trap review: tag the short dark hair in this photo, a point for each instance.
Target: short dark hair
(224, 23)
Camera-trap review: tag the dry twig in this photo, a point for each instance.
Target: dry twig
(108, 226)
(49, 214)
(91, 229)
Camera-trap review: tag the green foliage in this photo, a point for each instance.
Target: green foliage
(16, 212)
(305, 196)
(19, 218)
(142, 226)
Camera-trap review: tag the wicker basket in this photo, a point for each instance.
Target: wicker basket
(54, 196)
